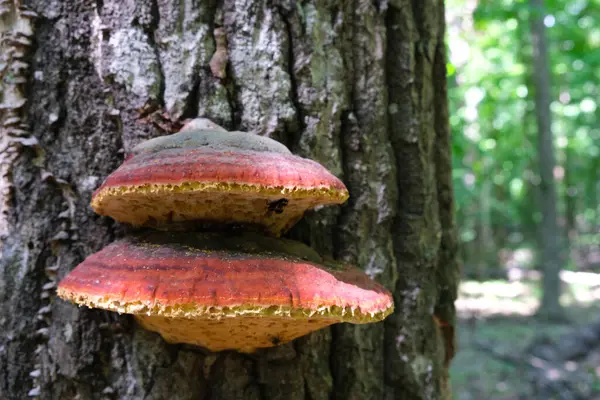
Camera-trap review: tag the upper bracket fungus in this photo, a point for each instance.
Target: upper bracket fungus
(224, 291)
(204, 174)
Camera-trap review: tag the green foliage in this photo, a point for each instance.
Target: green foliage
(492, 112)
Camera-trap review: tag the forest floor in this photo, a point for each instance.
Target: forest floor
(496, 326)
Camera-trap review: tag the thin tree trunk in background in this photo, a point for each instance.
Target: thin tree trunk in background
(596, 192)
(593, 192)
(549, 232)
(571, 191)
(487, 247)
(358, 86)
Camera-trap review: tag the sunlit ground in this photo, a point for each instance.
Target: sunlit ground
(499, 313)
(497, 297)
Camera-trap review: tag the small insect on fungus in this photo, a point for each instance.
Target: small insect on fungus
(275, 340)
(277, 206)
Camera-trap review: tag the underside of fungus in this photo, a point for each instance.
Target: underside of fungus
(197, 177)
(241, 291)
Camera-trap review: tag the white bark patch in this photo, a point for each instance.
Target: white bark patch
(181, 55)
(68, 332)
(376, 265)
(88, 184)
(260, 66)
(134, 64)
(97, 42)
(185, 46)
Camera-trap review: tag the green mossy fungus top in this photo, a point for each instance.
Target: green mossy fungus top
(213, 139)
(234, 243)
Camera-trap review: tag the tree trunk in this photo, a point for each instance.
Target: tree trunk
(358, 86)
(488, 261)
(571, 189)
(549, 232)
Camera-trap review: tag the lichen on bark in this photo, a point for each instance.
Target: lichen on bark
(357, 86)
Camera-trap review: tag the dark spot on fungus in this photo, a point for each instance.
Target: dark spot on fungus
(277, 206)
(275, 340)
(170, 216)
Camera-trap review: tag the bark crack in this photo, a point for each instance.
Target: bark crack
(447, 268)
(150, 31)
(296, 131)
(228, 82)
(191, 109)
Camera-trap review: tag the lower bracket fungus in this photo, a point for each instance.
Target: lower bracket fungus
(241, 292)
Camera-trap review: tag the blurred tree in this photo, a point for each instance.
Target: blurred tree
(549, 233)
(493, 118)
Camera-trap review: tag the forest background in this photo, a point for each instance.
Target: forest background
(509, 344)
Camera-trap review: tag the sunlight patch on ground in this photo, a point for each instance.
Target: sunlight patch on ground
(498, 312)
(497, 297)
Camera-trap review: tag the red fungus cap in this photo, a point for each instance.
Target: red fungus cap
(215, 176)
(225, 292)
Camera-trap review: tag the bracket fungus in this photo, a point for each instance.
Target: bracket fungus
(205, 174)
(222, 291)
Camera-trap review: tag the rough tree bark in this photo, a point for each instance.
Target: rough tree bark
(357, 85)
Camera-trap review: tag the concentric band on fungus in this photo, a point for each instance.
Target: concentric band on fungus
(225, 292)
(234, 186)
